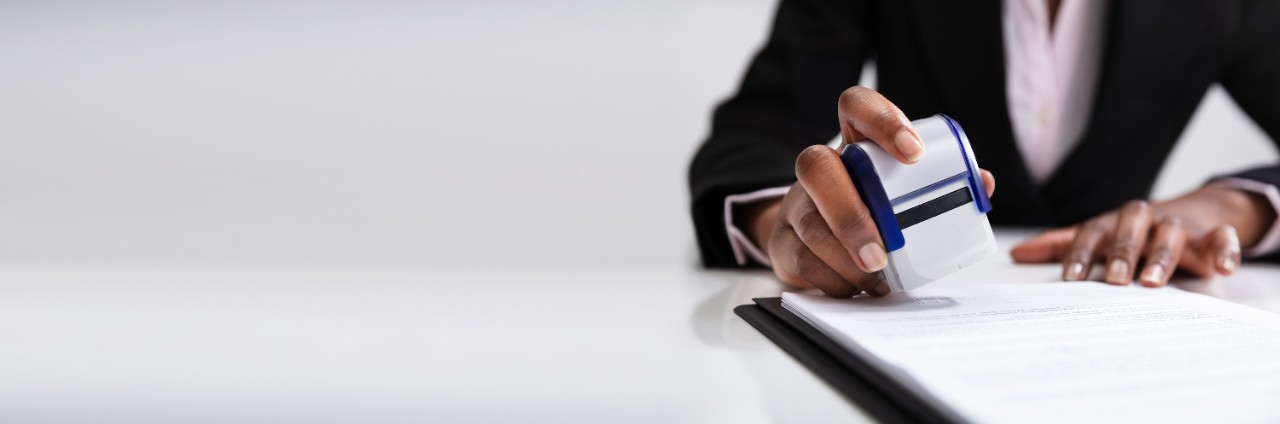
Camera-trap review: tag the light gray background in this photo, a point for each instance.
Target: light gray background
(503, 132)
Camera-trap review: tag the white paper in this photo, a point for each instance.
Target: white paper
(1066, 352)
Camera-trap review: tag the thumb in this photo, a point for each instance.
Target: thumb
(1218, 252)
(1048, 246)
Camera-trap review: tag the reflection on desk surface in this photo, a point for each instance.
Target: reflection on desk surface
(655, 343)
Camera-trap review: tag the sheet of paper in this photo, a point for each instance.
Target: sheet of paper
(1066, 352)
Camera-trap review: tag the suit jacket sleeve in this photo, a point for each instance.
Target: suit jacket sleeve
(787, 102)
(1252, 77)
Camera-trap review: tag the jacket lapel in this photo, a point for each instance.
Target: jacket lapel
(1160, 58)
(963, 47)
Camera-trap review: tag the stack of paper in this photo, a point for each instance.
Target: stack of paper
(1065, 352)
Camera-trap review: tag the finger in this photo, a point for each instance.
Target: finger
(812, 229)
(799, 261)
(1164, 253)
(1216, 252)
(1133, 227)
(865, 114)
(1197, 260)
(869, 282)
(825, 181)
(1079, 258)
(874, 284)
(988, 181)
(1048, 246)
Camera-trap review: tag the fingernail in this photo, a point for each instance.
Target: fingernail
(1154, 275)
(909, 145)
(873, 257)
(1233, 240)
(1228, 262)
(1073, 272)
(1118, 272)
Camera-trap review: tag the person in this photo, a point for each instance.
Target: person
(1074, 105)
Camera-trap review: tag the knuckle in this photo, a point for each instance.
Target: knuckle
(810, 219)
(808, 263)
(1124, 247)
(888, 121)
(858, 225)
(815, 236)
(812, 157)
(1137, 207)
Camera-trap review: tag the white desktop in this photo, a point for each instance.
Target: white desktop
(652, 343)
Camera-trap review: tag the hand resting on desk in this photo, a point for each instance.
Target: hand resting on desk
(1200, 232)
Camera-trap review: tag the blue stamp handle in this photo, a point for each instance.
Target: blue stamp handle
(975, 179)
(867, 182)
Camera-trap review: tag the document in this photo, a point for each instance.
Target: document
(1065, 352)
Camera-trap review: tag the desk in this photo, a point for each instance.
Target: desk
(414, 344)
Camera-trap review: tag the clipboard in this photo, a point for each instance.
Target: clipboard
(857, 380)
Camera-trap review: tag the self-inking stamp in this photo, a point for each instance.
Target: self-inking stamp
(932, 215)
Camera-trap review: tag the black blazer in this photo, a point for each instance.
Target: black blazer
(947, 56)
